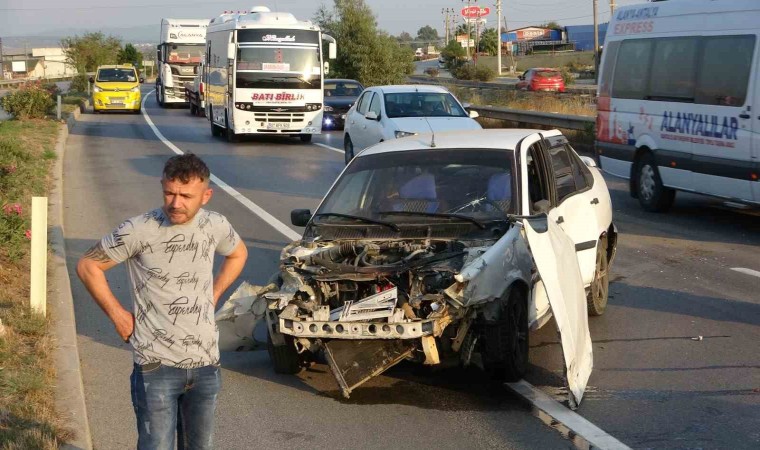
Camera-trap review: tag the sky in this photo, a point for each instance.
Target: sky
(32, 17)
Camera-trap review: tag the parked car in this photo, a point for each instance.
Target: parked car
(433, 249)
(383, 113)
(116, 87)
(541, 80)
(340, 95)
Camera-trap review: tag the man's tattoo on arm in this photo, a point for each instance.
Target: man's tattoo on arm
(96, 253)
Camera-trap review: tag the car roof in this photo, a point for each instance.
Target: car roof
(335, 80)
(401, 88)
(117, 66)
(501, 138)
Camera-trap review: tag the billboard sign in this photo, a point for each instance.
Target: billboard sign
(474, 12)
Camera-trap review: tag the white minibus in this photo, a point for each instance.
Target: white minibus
(679, 100)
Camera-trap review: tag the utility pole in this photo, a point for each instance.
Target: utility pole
(447, 13)
(2, 66)
(612, 8)
(498, 37)
(596, 41)
(469, 29)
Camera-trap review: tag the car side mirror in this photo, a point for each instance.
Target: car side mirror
(231, 51)
(92, 80)
(372, 115)
(142, 80)
(300, 217)
(589, 162)
(474, 115)
(521, 77)
(332, 50)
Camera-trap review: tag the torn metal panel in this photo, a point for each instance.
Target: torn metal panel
(554, 253)
(239, 315)
(376, 306)
(489, 275)
(354, 362)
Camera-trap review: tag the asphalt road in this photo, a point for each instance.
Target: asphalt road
(653, 385)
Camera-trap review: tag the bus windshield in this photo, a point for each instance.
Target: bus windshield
(278, 68)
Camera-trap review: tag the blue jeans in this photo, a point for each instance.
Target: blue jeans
(169, 400)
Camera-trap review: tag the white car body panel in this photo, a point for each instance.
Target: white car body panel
(554, 253)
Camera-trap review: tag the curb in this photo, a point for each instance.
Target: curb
(69, 391)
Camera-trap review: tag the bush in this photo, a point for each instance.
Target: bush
(432, 71)
(52, 89)
(30, 102)
(567, 76)
(79, 83)
(464, 72)
(484, 73)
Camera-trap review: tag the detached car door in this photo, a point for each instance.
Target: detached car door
(559, 285)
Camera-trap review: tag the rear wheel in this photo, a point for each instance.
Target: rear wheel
(160, 96)
(596, 299)
(285, 358)
(306, 138)
(348, 149)
(652, 194)
(506, 342)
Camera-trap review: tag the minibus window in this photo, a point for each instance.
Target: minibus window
(725, 70)
(608, 64)
(632, 69)
(674, 71)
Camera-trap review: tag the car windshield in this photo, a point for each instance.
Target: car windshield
(342, 89)
(422, 104)
(117, 75)
(547, 73)
(425, 186)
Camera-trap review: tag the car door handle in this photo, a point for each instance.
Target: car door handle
(744, 116)
(595, 201)
(560, 220)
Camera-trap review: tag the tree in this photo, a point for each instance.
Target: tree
(364, 53)
(91, 50)
(130, 55)
(405, 37)
(427, 34)
(489, 42)
(453, 55)
(552, 25)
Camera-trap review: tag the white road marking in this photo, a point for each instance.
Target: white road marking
(329, 148)
(575, 422)
(254, 208)
(535, 396)
(745, 271)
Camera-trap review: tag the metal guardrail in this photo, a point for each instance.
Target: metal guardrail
(420, 79)
(10, 83)
(564, 121)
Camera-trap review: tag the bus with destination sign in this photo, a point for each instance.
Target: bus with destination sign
(265, 74)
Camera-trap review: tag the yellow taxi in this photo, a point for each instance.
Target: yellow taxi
(116, 87)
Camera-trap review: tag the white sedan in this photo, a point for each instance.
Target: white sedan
(433, 253)
(383, 113)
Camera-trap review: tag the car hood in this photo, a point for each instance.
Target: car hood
(420, 125)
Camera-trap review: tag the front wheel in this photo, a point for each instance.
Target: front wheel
(348, 149)
(506, 341)
(653, 195)
(596, 299)
(285, 358)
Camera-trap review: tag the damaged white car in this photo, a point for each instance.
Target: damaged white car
(441, 249)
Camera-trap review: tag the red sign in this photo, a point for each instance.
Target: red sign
(474, 12)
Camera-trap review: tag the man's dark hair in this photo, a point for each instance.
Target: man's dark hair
(185, 168)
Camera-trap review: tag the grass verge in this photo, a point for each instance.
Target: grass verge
(28, 418)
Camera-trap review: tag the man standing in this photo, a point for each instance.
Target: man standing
(169, 254)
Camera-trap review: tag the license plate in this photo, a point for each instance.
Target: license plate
(117, 101)
(278, 125)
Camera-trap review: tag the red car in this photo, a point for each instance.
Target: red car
(541, 79)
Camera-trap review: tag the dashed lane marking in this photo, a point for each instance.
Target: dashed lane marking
(746, 271)
(535, 396)
(335, 149)
(253, 207)
(575, 422)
